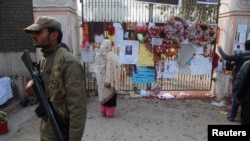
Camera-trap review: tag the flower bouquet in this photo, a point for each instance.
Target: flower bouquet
(3, 123)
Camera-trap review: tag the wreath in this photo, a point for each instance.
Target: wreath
(171, 51)
(176, 29)
(202, 33)
(172, 33)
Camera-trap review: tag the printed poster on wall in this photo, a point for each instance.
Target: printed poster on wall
(143, 75)
(129, 52)
(242, 28)
(169, 70)
(118, 32)
(146, 58)
(87, 54)
(200, 66)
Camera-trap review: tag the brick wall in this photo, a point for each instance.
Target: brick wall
(15, 15)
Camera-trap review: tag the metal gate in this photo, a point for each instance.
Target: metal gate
(132, 11)
(126, 11)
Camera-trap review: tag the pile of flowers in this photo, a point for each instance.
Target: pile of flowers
(111, 32)
(3, 116)
(215, 60)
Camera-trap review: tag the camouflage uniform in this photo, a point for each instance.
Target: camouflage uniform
(64, 85)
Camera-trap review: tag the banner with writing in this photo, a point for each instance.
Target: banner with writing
(172, 2)
(143, 75)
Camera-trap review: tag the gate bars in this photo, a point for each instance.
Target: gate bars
(132, 11)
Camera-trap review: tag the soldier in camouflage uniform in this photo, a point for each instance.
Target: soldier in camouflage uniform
(62, 76)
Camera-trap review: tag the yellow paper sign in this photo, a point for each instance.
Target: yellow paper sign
(146, 58)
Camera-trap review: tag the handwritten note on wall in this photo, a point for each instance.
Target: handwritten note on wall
(145, 56)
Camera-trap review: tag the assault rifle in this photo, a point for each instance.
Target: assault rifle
(45, 104)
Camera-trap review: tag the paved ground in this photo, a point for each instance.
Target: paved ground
(138, 119)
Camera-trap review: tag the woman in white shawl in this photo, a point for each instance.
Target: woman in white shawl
(107, 78)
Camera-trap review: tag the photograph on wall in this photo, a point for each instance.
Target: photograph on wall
(129, 52)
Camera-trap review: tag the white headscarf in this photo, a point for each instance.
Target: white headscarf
(100, 63)
(104, 48)
(101, 55)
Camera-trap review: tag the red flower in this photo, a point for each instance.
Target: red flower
(111, 29)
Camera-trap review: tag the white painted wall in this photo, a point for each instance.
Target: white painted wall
(66, 12)
(232, 13)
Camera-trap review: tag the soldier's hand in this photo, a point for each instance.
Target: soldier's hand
(30, 88)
